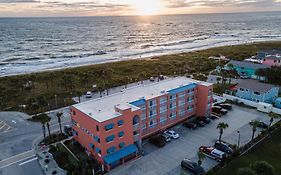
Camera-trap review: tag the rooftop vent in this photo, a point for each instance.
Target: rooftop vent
(163, 92)
(90, 113)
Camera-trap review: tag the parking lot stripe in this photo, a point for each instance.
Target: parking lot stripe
(3, 126)
(30, 160)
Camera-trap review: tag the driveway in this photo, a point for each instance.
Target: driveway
(167, 160)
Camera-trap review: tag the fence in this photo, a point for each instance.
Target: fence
(250, 103)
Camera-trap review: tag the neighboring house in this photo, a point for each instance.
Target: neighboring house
(246, 68)
(111, 128)
(263, 54)
(278, 103)
(271, 58)
(256, 91)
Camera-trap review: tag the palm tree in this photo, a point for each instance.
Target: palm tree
(142, 76)
(127, 81)
(218, 80)
(49, 131)
(221, 126)
(201, 157)
(43, 129)
(263, 168)
(254, 124)
(272, 116)
(59, 114)
(245, 171)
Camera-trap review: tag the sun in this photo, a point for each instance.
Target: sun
(148, 7)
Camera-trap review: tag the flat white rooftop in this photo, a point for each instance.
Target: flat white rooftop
(103, 109)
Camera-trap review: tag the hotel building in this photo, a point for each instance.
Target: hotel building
(111, 128)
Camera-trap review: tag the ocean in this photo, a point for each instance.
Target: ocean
(37, 44)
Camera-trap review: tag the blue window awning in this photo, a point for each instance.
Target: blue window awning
(181, 89)
(138, 102)
(109, 159)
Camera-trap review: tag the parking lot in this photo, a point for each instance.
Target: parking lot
(167, 160)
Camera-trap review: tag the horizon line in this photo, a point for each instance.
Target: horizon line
(81, 16)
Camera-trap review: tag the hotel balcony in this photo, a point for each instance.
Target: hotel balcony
(136, 126)
(137, 137)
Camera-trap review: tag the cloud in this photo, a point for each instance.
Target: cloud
(222, 3)
(18, 1)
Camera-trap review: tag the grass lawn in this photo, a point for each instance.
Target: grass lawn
(33, 93)
(269, 151)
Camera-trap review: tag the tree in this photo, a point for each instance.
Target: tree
(201, 157)
(41, 101)
(221, 126)
(272, 116)
(59, 114)
(142, 76)
(127, 81)
(218, 80)
(254, 124)
(260, 73)
(245, 171)
(263, 168)
(49, 131)
(43, 129)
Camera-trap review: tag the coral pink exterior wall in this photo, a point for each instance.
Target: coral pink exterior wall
(170, 122)
(90, 124)
(204, 101)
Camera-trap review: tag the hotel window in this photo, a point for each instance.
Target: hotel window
(73, 112)
(98, 150)
(121, 134)
(109, 127)
(111, 150)
(163, 109)
(163, 100)
(241, 89)
(110, 138)
(97, 128)
(97, 139)
(257, 93)
(120, 122)
(92, 146)
(122, 145)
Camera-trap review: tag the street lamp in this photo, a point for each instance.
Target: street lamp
(56, 100)
(238, 139)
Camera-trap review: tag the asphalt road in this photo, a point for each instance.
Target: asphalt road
(16, 143)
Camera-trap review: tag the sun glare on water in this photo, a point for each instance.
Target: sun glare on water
(148, 7)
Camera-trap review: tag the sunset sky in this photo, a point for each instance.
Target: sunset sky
(21, 8)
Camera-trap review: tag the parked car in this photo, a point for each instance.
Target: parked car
(192, 166)
(166, 137)
(223, 147)
(226, 106)
(68, 130)
(172, 134)
(158, 141)
(206, 120)
(89, 94)
(152, 79)
(219, 110)
(213, 153)
(244, 77)
(190, 125)
(199, 122)
(161, 77)
(214, 116)
(261, 124)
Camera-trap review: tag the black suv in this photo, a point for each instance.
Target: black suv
(158, 141)
(190, 125)
(194, 167)
(223, 147)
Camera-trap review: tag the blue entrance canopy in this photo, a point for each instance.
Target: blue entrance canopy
(109, 159)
